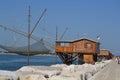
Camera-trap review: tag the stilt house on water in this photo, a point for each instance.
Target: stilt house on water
(81, 50)
(105, 55)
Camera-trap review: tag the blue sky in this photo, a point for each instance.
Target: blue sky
(83, 18)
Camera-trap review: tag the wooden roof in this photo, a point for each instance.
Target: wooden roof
(78, 40)
(85, 39)
(64, 41)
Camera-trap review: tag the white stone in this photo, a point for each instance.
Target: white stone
(63, 78)
(8, 75)
(32, 77)
(88, 75)
(70, 68)
(78, 75)
(44, 70)
(59, 65)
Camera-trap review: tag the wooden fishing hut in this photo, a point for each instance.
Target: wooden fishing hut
(105, 55)
(84, 49)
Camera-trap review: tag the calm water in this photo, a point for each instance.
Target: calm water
(14, 62)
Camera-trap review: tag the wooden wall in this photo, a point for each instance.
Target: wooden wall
(80, 46)
(64, 49)
(88, 58)
(104, 52)
(84, 46)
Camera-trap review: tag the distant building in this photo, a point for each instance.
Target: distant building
(105, 55)
(84, 49)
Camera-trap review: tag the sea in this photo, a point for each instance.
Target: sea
(14, 62)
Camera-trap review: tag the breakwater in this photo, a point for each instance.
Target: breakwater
(54, 72)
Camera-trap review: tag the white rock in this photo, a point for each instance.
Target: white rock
(63, 78)
(77, 75)
(59, 65)
(45, 70)
(32, 77)
(88, 75)
(8, 75)
(70, 68)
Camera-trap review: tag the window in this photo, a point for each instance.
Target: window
(62, 44)
(67, 44)
(88, 45)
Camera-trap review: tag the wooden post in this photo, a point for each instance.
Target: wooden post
(29, 36)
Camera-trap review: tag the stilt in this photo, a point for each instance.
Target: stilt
(82, 50)
(67, 58)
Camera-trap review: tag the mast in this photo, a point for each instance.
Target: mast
(55, 42)
(30, 33)
(29, 36)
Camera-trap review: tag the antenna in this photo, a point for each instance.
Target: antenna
(63, 33)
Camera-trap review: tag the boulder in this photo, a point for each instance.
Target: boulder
(32, 77)
(88, 75)
(8, 75)
(77, 75)
(63, 78)
(59, 66)
(44, 70)
(70, 68)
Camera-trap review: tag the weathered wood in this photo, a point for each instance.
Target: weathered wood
(105, 54)
(86, 47)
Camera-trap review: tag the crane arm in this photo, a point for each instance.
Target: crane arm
(25, 34)
(20, 32)
(38, 21)
(14, 30)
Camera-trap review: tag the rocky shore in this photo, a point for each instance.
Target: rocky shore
(54, 72)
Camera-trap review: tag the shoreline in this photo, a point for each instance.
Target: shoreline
(49, 54)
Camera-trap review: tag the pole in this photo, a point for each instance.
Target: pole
(55, 42)
(30, 33)
(29, 36)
